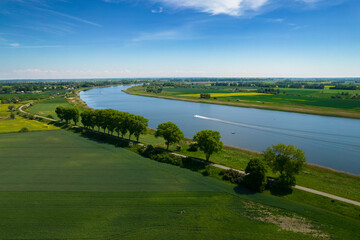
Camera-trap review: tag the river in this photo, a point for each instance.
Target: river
(327, 141)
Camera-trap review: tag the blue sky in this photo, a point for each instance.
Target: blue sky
(179, 38)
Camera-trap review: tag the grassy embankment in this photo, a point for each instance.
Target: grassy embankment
(14, 125)
(70, 187)
(312, 101)
(314, 177)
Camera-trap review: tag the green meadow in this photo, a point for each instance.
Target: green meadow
(57, 184)
(315, 101)
(321, 179)
(48, 106)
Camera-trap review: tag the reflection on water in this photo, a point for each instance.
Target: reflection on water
(327, 141)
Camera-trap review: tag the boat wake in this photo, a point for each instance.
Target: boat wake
(310, 135)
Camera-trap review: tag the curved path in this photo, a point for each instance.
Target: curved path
(222, 167)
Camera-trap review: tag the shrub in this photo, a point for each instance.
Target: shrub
(233, 176)
(193, 147)
(11, 108)
(12, 115)
(23, 130)
(50, 116)
(256, 175)
(168, 158)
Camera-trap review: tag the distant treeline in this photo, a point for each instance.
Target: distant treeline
(14, 91)
(270, 85)
(345, 87)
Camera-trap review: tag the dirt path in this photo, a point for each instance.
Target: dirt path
(219, 166)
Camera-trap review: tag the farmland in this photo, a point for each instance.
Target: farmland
(331, 102)
(68, 186)
(14, 125)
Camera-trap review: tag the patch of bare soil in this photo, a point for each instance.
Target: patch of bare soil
(284, 220)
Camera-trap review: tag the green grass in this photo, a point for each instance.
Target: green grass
(65, 186)
(47, 107)
(318, 178)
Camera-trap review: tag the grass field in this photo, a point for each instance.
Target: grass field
(313, 101)
(65, 186)
(318, 178)
(14, 125)
(47, 107)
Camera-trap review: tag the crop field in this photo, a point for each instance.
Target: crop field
(58, 184)
(226, 94)
(325, 101)
(14, 125)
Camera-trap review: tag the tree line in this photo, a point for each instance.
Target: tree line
(284, 160)
(115, 121)
(67, 114)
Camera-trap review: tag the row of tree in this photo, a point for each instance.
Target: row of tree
(284, 160)
(67, 114)
(112, 120)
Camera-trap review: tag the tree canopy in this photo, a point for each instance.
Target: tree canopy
(170, 132)
(256, 175)
(209, 142)
(113, 120)
(288, 160)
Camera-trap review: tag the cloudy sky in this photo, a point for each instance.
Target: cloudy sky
(179, 38)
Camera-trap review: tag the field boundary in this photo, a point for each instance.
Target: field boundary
(203, 161)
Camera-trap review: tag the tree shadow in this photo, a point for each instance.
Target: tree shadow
(281, 191)
(244, 191)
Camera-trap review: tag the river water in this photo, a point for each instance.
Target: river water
(327, 141)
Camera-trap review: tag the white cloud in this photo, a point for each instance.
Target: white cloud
(229, 7)
(160, 10)
(14, 45)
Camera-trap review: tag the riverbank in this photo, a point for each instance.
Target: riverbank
(315, 177)
(323, 111)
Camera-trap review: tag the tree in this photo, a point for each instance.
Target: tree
(288, 160)
(141, 124)
(122, 124)
(11, 108)
(85, 118)
(256, 175)
(68, 114)
(75, 115)
(60, 112)
(170, 132)
(208, 142)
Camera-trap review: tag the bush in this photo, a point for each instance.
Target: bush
(168, 158)
(149, 151)
(50, 116)
(256, 175)
(193, 147)
(11, 108)
(286, 181)
(12, 115)
(233, 176)
(23, 130)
